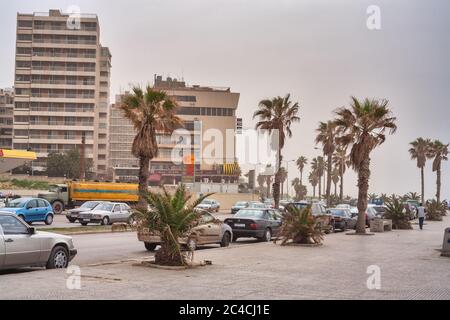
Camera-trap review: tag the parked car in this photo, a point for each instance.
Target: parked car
(23, 246)
(269, 203)
(371, 214)
(381, 210)
(343, 218)
(210, 205)
(343, 206)
(263, 223)
(72, 215)
(319, 211)
(238, 206)
(107, 213)
(31, 210)
(208, 231)
(411, 210)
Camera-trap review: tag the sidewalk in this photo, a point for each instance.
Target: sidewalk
(410, 263)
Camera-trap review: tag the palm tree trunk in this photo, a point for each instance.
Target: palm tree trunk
(438, 184)
(301, 177)
(268, 187)
(276, 185)
(341, 191)
(363, 188)
(335, 190)
(422, 176)
(314, 191)
(329, 178)
(320, 188)
(144, 164)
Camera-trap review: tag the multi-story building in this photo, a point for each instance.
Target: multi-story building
(6, 117)
(201, 108)
(62, 81)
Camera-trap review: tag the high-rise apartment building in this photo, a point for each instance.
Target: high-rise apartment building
(6, 117)
(62, 80)
(202, 108)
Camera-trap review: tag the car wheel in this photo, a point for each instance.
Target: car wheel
(225, 240)
(191, 244)
(267, 235)
(150, 246)
(72, 220)
(59, 258)
(84, 224)
(58, 207)
(49, 219)
(21, 216)
(105, 221)
(130, 220)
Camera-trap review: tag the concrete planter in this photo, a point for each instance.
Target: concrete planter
(152, 264)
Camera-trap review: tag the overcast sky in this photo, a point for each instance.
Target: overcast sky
(319, 51)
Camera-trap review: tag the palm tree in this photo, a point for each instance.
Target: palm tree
(318, 166)
(150, 111)
(372, 196)
(170, 217)
(326, 135)
(413, 196)
(301, 163)
(340, 160)
(335, 178)
(362, 127)
(421, 151)
(439, 152)
(313, 180)
(261, 180)
(384, 197)
(283, 177)
(279, 114)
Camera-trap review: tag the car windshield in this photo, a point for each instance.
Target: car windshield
(300, 205)
(17, 203)
(249, 213)
(379, 209)
(53, 188)
(241, 204)
(207, 202)
(343, 206)
(105, 206)
(89, 204)
(337, 212)
(257, 205)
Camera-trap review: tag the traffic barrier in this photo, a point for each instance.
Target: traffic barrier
(446, 244)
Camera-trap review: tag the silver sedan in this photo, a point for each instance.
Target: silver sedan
(23, 246)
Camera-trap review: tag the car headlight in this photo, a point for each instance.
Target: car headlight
(96, 216)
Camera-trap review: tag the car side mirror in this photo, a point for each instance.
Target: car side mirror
(31, 230)
(29, 207)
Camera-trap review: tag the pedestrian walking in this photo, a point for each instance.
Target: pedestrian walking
(421, 214)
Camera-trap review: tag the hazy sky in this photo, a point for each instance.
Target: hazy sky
(319, 51)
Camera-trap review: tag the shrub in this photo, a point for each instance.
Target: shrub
(436, 210)
(300, 226)
(396, 212)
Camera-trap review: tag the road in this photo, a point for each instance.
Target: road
(60, 221)
(107, 247)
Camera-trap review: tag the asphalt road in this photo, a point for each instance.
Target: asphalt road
(107, 247)
(60, 221)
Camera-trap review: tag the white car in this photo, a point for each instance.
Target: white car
(107, 213)
(344, 206)
(23, 246)
(210, 205)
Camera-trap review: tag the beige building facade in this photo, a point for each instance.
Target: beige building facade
(62, 80)
(205, 111)
(6, 117)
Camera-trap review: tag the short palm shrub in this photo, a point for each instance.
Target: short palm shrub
(396, 212)
(300, 226)
(171, 217)
(436, 210)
